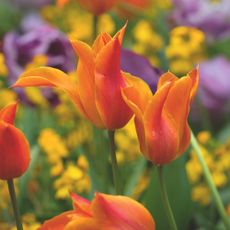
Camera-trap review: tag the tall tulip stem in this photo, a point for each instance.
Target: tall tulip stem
(114, 162)
(208, 178)
(165, 199)
(95, 24)
(11, 189)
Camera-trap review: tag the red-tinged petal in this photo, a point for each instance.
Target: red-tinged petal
(194, 76)
(108, 60)
(51, 77)
(62, 3)
(7, 114)
(177, 104)
(109, 81)
(58, 222)
(111, 106)
(138, 3)
(165, 78)
(86, 81)
(14, 152)
(81, 205)
(109, 210)
(136, 96)
(101, 40)
(120, 34)
(97, 7)
(83, 223)
(161, 136)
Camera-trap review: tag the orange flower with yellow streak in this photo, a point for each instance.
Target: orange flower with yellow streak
(105, 212)
(97, 92)
(161, 119)
(14, 153)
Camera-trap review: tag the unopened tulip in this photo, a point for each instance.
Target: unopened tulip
(14, 153)
(161, 119)
(105, 212)
(97, 92)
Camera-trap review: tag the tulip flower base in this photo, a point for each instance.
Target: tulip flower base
(14, 204)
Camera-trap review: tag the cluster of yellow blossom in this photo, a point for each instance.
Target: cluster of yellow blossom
(54, 147)
(147, 41)
(76, 23)
(185, 48)
(127, 143)
(3, 68)
(217, 157)
(69, 176)
(75, 178)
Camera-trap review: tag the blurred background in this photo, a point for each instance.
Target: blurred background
(68, 153)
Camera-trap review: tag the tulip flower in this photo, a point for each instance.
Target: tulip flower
(14, 154)
(105, 212)
(161, 119)
(98, 7)
(97, 92)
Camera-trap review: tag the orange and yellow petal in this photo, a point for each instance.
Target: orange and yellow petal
(7, 114)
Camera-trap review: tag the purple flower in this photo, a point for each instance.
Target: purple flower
(139, 66)
(36, 37)
(211, 17)
(215, 84)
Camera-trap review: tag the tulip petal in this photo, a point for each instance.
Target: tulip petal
(109, 81)
(14, 153)
(160, 133)
(86, 81)
(58, 222)
(136, 96)
(109, 210)
(81, 205)
(194, 76)
(51, 77)
(108, 60)
(120, 34)
(7, 114)
(166, 78)
(101, 40)
(83, 223)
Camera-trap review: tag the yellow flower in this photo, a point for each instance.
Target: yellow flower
(201, 194)
(7, 96)
(127, 143)
(53, 145)
(36, 97)
(3, 68)
(219, 178)
(106, 24)
(203, 137)
(185, 49)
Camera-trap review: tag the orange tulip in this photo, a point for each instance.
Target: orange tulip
(97, 93)
(98, 7)
(161, 119)
(14, 153)
(105, 212)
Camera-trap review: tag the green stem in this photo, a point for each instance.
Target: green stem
(210, 182)
(95, 22)
(11, 189)
(114, 161)
(165, 199)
